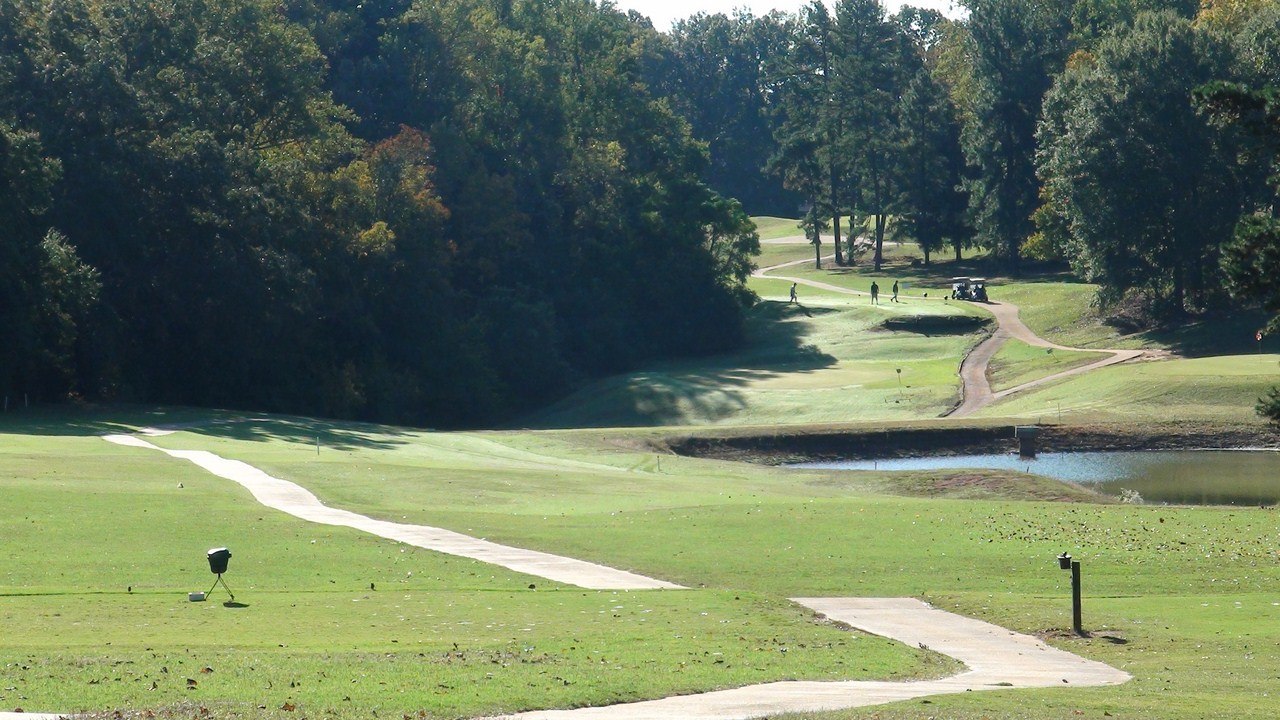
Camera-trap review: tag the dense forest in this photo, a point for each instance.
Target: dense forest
(451, 211)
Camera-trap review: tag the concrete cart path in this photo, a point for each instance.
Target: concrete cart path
(297, 501)
(998, 659)
(975, 388)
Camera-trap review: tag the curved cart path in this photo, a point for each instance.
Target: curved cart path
(977, 392)
(975, 387)
(295, 500)
(997, 659)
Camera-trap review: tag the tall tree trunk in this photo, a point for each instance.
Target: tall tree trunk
(957, 247)
(835, 229)
(812, 231)
(835, 214)
(881, 221)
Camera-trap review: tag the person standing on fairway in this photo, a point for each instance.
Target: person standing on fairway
(793, 299)
(895, 291)
(875, 293)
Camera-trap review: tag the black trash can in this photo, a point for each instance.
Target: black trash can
(218, 558)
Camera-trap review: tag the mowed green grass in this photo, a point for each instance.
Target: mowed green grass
(101, 547)
(1017, 363)
(1180, 597)
(828, 359)
(772, 228)
(1214, 389)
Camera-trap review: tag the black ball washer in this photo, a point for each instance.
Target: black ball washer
(218, 558)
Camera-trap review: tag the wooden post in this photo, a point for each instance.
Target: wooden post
(1076, 622)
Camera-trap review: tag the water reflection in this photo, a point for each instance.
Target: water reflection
(1185, 477)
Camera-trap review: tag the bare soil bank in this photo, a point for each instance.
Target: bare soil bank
(818, 444)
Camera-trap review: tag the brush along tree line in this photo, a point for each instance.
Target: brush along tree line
(449, 212)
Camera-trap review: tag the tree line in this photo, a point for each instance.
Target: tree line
(436, 212)
(450, 211)
(1066, 131)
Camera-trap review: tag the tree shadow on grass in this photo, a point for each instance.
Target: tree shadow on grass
(1216, 333)
(333, 435)
(90, 420)
(705, 390)
(86, 420)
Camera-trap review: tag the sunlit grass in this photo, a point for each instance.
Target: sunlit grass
(1195, 582)
(1222, 389)
(1018, 363)
(102, 545)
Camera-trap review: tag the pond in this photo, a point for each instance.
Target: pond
(1184, 477)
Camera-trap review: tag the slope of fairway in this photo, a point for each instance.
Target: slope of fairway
(1216, 389)
(829, 359)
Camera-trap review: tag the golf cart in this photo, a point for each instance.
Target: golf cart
(963, 288)
(978, 289)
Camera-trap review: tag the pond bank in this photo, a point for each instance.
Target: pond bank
(817, 444)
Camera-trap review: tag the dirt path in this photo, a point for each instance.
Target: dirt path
(975, 386)
(996, 658)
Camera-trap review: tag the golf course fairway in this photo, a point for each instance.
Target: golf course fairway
(102, 543)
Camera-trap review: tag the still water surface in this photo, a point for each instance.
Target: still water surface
(1186, 477)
